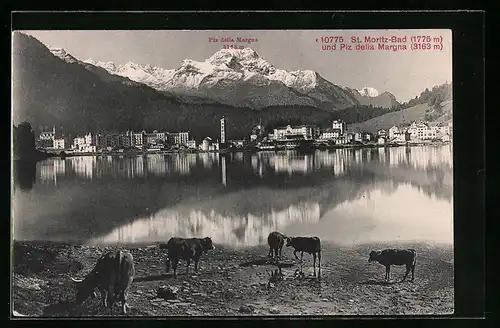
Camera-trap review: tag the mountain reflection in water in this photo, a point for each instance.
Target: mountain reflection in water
(345, 196)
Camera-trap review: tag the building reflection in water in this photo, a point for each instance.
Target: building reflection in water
(50, 170)
(83, 166)
(332, 160)
(209, 159)
(160, 165)
(426, 170)
(420, 157)
(137, 169)
(289, 162)
(224, 171)
(234, 230)
(282, 162)
(156, 165)
(260, 162)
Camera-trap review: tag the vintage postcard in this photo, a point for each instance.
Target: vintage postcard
(232, 173)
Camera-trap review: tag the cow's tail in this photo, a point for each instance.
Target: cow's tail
(319, 252)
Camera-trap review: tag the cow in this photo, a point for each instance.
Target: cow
(112, 275)
(310, 245)
(276, 241)
(186, 249)
(388, 257)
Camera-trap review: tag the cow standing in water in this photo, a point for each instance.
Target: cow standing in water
(310, 245)
(388, 257)
(112, 275)
(276, 241)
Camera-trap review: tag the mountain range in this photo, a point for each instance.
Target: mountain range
(52, 87)
(242, 78)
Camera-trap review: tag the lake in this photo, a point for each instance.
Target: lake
(345, 196)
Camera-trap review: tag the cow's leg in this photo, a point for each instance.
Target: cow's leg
(387, 272)
(196, 261)
(301, 256)
(280, 250)
(167, 264)
(412, 272)
(314, 264)
(270, 254)
(174, 266)
(104, 296)
(188, 262)
(111, 297)
(408, 268)
(295, 254)
(123, 299)
(319, 264)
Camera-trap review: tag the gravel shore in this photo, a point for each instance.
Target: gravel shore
(349, 285)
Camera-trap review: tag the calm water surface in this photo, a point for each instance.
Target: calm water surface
(343, 196)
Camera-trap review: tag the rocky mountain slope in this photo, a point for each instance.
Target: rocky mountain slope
(434, 105)
(369, 96)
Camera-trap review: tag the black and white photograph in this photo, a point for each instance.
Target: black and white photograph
(167, 173)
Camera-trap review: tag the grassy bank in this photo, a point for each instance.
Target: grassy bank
(349, 285)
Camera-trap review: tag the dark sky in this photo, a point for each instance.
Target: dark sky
(403, 73)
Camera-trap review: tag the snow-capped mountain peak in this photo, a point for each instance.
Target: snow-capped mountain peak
(225, 64)
(368, 92)
(61, 53)
(193, 66)
(223, 55)
(109, 66)
(218, 76)
(240, 77)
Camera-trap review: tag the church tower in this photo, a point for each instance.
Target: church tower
(223, 130)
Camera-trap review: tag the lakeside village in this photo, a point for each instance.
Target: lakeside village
(281, 138)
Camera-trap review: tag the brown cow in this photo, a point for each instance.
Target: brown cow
(112, 275)
(388, 257)
(186, 249)
(276, 241)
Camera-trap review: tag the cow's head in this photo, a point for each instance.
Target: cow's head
(373, 256)
(84, 290)
(206, 244)
(289, 241)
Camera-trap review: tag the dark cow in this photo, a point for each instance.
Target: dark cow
(186, 249)
(276, 241)
(112, 275)
(388, 257)
(310, 245)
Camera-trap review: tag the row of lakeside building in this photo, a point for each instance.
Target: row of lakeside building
(338, 133)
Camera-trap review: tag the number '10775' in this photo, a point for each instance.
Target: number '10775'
(332, 39)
